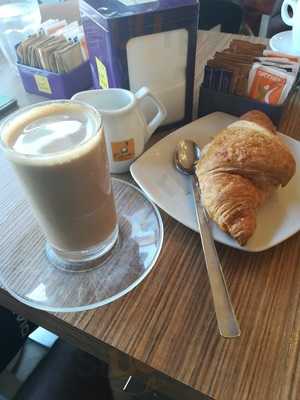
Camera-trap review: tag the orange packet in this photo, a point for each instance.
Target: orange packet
(269, 85)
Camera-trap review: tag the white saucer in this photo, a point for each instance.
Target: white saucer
(154, 171)
(283, 42)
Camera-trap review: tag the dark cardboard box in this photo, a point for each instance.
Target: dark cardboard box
(211, 101)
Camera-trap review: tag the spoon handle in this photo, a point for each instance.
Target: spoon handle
(226, 319)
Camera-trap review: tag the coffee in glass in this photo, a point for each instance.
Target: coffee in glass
(57, 149)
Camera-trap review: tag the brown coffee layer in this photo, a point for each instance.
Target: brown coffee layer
(73, 200)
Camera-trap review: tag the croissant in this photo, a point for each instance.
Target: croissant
(238, 171)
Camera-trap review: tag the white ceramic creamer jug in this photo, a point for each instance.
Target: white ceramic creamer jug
(125, 127)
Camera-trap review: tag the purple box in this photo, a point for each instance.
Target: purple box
(113, 29)
(53, 85)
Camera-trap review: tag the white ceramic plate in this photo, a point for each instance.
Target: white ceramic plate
(277, 220)
(283, 42)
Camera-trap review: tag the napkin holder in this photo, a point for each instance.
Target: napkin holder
(53, 85)
(135, 43)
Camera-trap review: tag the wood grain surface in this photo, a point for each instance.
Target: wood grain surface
(290, 120)
(167, 324)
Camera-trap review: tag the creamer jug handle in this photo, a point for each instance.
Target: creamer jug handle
(161, 110)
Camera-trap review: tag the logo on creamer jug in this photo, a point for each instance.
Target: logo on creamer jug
(123, 151)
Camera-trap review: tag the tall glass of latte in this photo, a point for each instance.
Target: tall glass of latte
(57, 149)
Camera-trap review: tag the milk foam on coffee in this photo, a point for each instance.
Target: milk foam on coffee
(60, 157)
(52, 134)
(49, 130)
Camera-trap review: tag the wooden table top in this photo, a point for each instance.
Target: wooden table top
(168, 324)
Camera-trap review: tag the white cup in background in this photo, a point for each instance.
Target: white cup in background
(292, 7)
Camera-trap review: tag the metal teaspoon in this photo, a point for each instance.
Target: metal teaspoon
(186, 155)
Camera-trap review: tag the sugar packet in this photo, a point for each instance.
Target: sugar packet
(280, 62)
(74, 34)
(51, 26)
(46, 50)
(277, 54)
(268, 84)
(68, 57)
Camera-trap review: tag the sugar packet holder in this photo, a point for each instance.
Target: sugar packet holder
(211, 101)
(55, 86)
